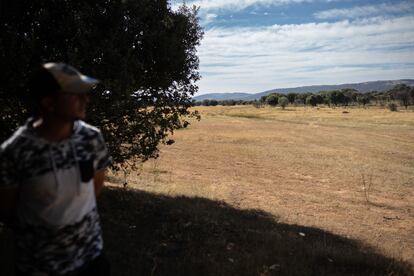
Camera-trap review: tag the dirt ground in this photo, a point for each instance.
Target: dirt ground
(346, 171)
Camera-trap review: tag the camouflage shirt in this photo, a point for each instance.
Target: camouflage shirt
(57, 224)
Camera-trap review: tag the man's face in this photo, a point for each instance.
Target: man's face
(70, 107)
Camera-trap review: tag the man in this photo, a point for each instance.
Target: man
(51, 170)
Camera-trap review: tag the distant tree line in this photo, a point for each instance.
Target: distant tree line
(208, 102)
(401, 94)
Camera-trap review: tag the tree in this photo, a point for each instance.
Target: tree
(350, 96)
(144, 53)
(380, 97)
(363, 99)
(319, 99)
(311, 100)
(301, 98)
(205, 102)
(214, 102)
(272, 100)
(230, 102)
(336, 97)
(257, 104)
(402, 93)
(292, 96)
(283, 102)
(392, 107)
(263, 99)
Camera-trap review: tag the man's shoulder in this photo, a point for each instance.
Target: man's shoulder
(86, 130)
(84, 126)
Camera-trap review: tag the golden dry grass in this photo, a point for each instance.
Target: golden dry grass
(348, 173)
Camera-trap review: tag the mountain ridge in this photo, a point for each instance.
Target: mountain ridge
(361, 87)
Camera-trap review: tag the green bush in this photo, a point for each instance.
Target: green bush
(272, 100)
(311, 100)
(392, 107)
(283, 102)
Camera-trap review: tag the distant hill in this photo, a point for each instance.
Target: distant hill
(221, 96)
(361, 87)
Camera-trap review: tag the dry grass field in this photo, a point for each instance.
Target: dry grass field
(346, 171)
(248, 191)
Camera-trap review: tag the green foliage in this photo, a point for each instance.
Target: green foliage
(205, 102)
(336, 97)
(263, 99)
(213, 102)
(311, 100)
(343, 97)
(301, 98)
(272, 100)
(363, 99)
(283, 102)
(230, 102)
(403, 94)
(292, 97)
(392, 107)
(144, 53)
(350, 95)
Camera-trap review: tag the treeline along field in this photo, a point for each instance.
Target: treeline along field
(349, 173)
(401, 94)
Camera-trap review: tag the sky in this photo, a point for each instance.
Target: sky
(256, 45)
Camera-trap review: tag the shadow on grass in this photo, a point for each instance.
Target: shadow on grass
(150, 234)
(155, 234)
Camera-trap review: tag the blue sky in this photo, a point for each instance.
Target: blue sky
(256, 45)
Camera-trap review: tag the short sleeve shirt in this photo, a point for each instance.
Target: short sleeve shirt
(57, 223)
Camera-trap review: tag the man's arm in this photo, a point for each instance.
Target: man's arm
(8, 200)
(98, 180)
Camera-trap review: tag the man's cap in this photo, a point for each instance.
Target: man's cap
(69, 79)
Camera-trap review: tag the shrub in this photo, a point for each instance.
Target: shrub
(311, 100)
(257, 104)
(392, 107)
(272, 100)
(283, 102)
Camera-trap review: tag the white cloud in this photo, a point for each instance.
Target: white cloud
(237, 4)
(209, 18)
(256, 59)
(368, 10)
